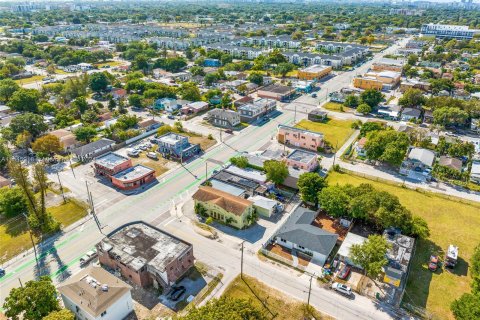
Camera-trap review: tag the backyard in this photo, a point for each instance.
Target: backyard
(283, 306)
(450, 222)
(336, 131)
(14, 237)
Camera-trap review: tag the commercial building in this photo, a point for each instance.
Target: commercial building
(315, 72)
(448, 31)
(145, 255)
(317, 115)
(252, 111)
(367, 83)
(386, 64)
(94, 294)
(304, 160)
(300, 138)
(176, 146)
(110, 164)
(225, 207)
(377, 80)
(133, 177)
(276, 92)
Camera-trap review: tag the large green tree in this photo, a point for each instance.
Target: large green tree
(7, 89)
(189, 91)
(24, 100)
(277, 171)
(310, 184)
(412, 98)
(370, 255)
(226, 308)
(34, 124)
(98, 81)
(334, 200)
(387, 145)
(63, 314)
(12, 201)
(467, 307)
(85, 134)
(34, 301)
(371, 97)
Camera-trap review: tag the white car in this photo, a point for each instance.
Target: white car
(133, 152)
(341, 288)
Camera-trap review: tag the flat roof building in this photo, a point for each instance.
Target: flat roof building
(133, 177)
(300, 138)
(146, 255)
(110, 164)
(314, 72)
(301, 159)
(276, 92)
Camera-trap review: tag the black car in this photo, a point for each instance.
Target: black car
(2, 272)
(177, 293)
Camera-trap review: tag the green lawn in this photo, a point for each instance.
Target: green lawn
(14, 236)
(29, 80)
(450, 222)
(335, 106)
(335, 131)
(284, 307)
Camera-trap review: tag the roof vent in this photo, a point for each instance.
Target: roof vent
(104, 287)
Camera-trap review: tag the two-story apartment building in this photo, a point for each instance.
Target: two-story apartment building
(176, 146)
(224, 118)
(303, 160)
(300, 138)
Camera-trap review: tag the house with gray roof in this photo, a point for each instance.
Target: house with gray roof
(418, 164)
(299, 233)
(93, 149)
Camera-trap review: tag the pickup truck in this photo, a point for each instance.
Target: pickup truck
(89, 256)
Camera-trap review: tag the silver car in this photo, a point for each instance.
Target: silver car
(341, 288)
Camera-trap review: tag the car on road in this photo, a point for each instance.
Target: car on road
(89, 256)
(177, 293)
(2, 272)
(344, 273)
(229, 131)
(171, 117)
(314, 95)
(433, 263)
(342, 288)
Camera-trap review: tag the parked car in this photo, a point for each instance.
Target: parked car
(314, 95)
(152, 155)
(343, 289)
(2, 272)
(177, 293)
(344, 273)
(89, 256)
(133, 152)
(143, 147)
(229, 131)
(433, 264)
(171, 117)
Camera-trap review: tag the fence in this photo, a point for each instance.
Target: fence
(141, 136)
(281, 259)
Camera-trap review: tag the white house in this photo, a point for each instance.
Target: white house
(298, 233)
(95, 294)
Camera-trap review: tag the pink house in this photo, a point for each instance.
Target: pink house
(304, 160)
(300, 138)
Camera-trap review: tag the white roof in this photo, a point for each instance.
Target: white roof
(348, 242)
(251, 174)
(425, 156)
(263, 202)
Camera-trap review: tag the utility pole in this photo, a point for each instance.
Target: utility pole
(335, 153)
(31, 239)
(92, 208)
(206, 171)
(73, 172)
(241, 263)
(310, 289)
(220, 135)
(21, 284)
(295, 115)
(61, 188)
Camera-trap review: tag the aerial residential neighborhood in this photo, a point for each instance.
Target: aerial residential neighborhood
(227, 160)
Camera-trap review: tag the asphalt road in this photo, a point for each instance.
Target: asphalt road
(59, 256)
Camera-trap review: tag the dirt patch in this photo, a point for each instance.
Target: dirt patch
(160, 166)
(281, 251)
(204, 142)
(327, 223)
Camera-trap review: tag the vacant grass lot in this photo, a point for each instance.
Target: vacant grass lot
(450, 222)
(335, 106)
(160, 165)
(14, 237)
(285, 307)
(336, 131)
(108, 63)
(29, 80)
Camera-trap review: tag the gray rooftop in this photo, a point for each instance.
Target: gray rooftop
(141, 244)
(225, 187)
(302, 156)
(133, 173)
(298, 229)
(110, 160)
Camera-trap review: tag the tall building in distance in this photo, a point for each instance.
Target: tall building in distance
(448, 31)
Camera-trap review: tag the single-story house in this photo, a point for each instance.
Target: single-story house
(450, 162)
(418, 164)
(360, 147)
(410, 114)
(93, 149)
(67, 139)
(351, 239)
(265, 207)
(317, 115)
(194, 107)
(298, 233)
(475, 172)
